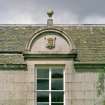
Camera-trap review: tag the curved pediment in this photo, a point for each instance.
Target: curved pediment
(50, 41)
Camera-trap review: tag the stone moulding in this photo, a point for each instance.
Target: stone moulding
(49, 56)
(89, 67)
(51, 29)
(13, 67)
(10, 52)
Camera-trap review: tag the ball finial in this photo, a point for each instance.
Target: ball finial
(50, 13)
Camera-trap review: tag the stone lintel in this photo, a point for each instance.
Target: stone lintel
(49, 56)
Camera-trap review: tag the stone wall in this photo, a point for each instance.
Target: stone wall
(19, 87)
(84, 88)
(15, 87)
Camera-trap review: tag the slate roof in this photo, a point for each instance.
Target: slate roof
(88, 39)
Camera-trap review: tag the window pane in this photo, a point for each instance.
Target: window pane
(57, 84)
(57, 73)
(41, 103)
(42, 84)
(42, 96)
(56, 103)
(42, 73)
(57, 96)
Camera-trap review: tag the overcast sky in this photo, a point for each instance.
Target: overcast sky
(65, 11)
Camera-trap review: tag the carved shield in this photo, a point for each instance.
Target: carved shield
(51, 43)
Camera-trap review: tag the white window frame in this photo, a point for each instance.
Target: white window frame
(49, 91)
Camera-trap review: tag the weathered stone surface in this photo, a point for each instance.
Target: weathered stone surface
(88, 39)
(20, 87)
(11, 59)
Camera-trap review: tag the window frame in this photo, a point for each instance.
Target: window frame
(50, 68)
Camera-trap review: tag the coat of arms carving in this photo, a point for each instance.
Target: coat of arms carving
(50, 42)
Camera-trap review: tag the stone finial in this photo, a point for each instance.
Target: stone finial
(50, 13)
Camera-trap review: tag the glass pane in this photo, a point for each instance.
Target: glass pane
(57, 96)
(57, 84)
(42, 96)
(42, 84)
(42, 73)
(41, 103)
(56, 103)
(57, 73)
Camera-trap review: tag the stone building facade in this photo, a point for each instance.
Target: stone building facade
(50, 64)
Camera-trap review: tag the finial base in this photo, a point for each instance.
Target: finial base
(49, 22)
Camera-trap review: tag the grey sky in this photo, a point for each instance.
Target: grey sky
(66, 11)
